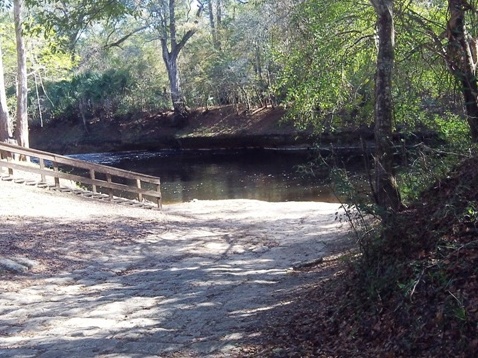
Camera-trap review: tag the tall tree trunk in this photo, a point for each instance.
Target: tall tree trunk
(215, 20)
(170, 56)
(5, 127)
(387, 195)
(462, 58)
(21, 130)
(218, 14)
(212, 24)
(177, 99)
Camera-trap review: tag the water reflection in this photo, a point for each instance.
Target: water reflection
(212, 175)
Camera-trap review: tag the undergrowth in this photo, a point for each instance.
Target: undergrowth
(410, 293)
(416, 277)
(413, 290)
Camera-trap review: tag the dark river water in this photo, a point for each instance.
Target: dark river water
(267, 175)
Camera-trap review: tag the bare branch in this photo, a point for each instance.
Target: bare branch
(124, 38)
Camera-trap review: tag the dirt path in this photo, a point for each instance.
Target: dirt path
(114, 281)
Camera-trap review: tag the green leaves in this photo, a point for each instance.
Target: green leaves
(329, 63)
(69, 19)
(98, 93)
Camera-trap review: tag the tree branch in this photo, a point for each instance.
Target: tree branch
(124, 38)
(183, 41)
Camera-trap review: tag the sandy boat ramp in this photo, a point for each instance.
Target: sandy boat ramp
(85, 278)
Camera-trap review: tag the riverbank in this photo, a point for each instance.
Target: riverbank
(192, 281)
(213, 128)
(225, 127)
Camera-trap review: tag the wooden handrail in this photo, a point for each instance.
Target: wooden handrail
(9, 151)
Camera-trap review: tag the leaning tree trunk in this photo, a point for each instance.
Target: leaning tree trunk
(21, 130)
(5, 128)
(461, 59)
(386, 193)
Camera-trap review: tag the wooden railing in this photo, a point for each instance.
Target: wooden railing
(91, 175)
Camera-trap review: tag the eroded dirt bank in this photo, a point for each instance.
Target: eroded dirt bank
(213, 128)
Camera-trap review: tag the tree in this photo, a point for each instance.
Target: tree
(386, 191)
(453, 37)
(5, 130)
(21, 130)
(462, 59)
(214, 20)
(323, 53)
(215, 11)
(70, 19)
(232, 62)
(165, 21)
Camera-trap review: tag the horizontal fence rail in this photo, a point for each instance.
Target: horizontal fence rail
(88, 174)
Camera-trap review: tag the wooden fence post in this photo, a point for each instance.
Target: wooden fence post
(42, 167)
(57, 179)
(138, 185)
(92, 177)
(159, 198)
(110, 191)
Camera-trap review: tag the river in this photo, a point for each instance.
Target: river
(268, 175)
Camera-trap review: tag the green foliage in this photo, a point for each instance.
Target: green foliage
(424, 168)
(316, 57)
(327, 67)
(45, 62)
(126, 79)
(471, 212)
(422, 84)
(428, 165)
(453, 130)
(93, 94)
(238, 67)
(70, 19)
